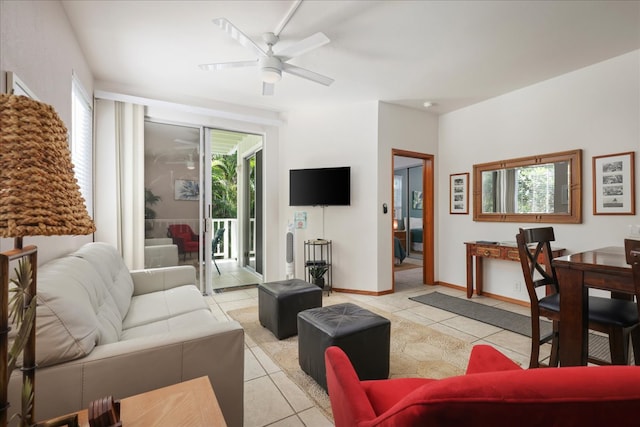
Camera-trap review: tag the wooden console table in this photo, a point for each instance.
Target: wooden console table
(191, 403)
(499, 250)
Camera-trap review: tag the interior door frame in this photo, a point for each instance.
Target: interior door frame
(428, 219)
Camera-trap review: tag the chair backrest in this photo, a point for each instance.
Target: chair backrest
(216, 238)
(536, 261)
(218, 235)
(349, 401)
(632, 253)
(180, 230)
(570, 396)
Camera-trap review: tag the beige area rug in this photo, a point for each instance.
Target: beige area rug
(416, 351)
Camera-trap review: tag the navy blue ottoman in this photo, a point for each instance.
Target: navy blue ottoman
(280, 302)
(362, 335)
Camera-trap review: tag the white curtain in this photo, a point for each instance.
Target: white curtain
(505, 191)
(120, 178)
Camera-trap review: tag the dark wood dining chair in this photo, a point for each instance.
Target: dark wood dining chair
(615, 317)
(632, 254)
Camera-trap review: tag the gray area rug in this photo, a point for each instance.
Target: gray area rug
(514, 322)
(504, 319)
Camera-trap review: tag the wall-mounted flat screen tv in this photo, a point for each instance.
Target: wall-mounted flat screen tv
(320, 187)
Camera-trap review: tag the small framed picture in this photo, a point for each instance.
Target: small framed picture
(186, 189)
(613, 184)
(459, 193)
(416, 200)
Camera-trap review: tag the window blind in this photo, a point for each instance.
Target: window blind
(82, 141)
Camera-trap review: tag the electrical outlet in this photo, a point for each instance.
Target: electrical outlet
(517, 286)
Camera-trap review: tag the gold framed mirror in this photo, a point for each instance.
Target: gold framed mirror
(544, 188)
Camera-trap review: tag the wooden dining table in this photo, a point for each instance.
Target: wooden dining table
(603, 268)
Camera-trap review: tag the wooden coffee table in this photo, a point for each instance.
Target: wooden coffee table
(191, 403)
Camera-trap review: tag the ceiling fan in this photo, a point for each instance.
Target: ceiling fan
(272, 64)
(188, 161)
(184, 152)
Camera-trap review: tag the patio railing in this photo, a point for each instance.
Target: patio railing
(228, 247)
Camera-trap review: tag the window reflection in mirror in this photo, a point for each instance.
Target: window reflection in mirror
(543, 188)
(528, 189)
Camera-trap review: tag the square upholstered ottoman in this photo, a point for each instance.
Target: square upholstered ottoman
(363, 335)
(280, 302)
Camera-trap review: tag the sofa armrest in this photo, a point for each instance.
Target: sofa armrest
(485, 358)
(156, 256)
(161, 279)
(139, 365)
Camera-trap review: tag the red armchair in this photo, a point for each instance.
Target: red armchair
(494, 391)
(185, 238)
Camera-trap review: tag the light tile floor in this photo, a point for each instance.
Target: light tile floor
(271, 399)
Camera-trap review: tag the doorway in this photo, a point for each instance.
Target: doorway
(236, 206)
(193, 182)
(413, 215)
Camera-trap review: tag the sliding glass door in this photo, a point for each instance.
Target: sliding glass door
(172, 181)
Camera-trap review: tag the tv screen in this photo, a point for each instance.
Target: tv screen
(323, 186)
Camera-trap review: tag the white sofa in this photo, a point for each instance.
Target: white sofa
(102, 330)
(160, 252)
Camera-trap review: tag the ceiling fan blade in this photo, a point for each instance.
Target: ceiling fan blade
(238, 35)
(306, 74)
(303, 46)
(184, 141)
(267, 88)
(223, 65)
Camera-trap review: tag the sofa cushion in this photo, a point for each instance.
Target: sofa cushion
(107, 262)
(161, 305)
(75, 311)
(180, 322)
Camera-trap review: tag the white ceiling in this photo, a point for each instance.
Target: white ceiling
(453, 53)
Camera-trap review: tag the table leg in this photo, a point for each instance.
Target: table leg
(574, 318)
(479, 275)
(469, 273)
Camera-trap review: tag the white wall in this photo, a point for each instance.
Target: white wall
(596, 108)
(37, 43)
(345, 135)
(407, 129)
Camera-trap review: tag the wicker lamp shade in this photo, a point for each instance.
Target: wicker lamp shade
(39, 195)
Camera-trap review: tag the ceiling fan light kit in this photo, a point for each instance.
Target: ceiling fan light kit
(270, 69)
(272, 64)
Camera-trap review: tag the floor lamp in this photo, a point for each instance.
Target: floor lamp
(39, 196)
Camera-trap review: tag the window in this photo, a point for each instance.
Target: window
(82, 141)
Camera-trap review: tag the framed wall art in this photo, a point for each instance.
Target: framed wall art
(613, 184)
(459, 193)
(186, 189)
(416, 201)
